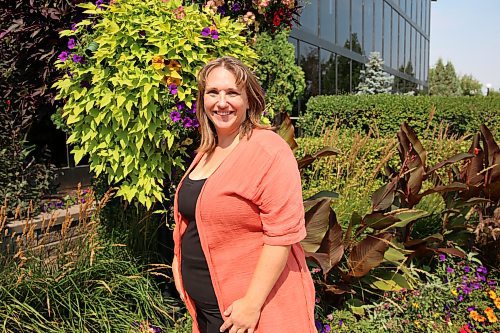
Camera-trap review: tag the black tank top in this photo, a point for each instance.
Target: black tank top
(194, 268)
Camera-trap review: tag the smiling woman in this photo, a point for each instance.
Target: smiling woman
(239, 215)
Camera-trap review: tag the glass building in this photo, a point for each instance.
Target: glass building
(335, 37)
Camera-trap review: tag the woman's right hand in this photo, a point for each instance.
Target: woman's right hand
(177, 278)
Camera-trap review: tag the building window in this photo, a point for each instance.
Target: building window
(343, 75)
(395, 39)
(377, 26)
(328, 73)
(357, 26)
(368, 26)
(355, 74)
(309, 18)
(327, 20)
(343, 27)
(387, 35)
(309, 61)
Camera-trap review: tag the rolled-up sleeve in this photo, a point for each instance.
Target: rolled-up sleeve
(279, 198)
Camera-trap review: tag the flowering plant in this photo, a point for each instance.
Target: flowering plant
(259, 15)
(130, 84)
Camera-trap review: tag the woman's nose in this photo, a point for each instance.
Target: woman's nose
(221, 102)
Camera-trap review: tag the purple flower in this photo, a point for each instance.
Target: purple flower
(82, 200)
(466, 269)
(172, 88)
(467, 290)
(236, 7)
(69, 73)
(73, 26)
(449, 270)
(71, 43)
(340, 323)
(482, 270)
(180, 105)
(193, 108)
(492, 283)
(471, 308)
(460, 298)
(215, 34)
(59, 204)
(221, 10)
(77, 58)
(98, 3)
(63, 56)
(475, 286)
(195, 123)
(318, 324)
(442, 257)
(175, 116)
(142, 33)
(326, 328)
(187, 122)
(480, 277)
(205, 32)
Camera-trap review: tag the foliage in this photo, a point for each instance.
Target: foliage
(83, 282)
(258, 15)
(22, 179)
(443, 80)
(443, 302)
(28, 48)
(282, 80)
(373, 79)
(403, 86)
(130, 87)
(425, 114)
(470, 86)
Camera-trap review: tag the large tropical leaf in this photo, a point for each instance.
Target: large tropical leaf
(323, 152)
(383, 197)
(331, 250)
(318, 218)
(284, 127)
(405, 216)
(379, 221)
(367, 254)
(455, 186)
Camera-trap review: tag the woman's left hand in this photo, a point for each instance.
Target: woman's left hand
(243, 317)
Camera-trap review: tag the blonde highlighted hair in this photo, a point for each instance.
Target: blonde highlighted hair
(244, 79)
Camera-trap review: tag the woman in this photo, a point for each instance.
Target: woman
(239, 216)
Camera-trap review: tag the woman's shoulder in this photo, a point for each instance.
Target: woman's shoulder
(268, 141)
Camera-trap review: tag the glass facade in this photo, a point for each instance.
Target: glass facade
(335, 38)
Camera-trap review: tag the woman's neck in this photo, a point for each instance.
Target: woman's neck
(227, 140)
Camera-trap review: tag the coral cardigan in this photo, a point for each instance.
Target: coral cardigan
(254, 198)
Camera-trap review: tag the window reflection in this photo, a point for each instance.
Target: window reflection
(327, 20)
(309, 17)
(368, 26)
(395, 40)
(328, 74)
(355, 74)
(377, 27)
(401, 39)
(343, 75)
(343, 15)
(309, 61)
(387, 34)
(357, 22)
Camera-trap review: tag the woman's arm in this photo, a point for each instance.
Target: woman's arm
(244, 313)
(177, 278)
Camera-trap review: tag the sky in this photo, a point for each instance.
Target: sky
(467, 33)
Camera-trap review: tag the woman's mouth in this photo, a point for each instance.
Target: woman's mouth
(223, 113)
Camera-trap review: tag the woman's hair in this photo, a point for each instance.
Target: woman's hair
(244, 79)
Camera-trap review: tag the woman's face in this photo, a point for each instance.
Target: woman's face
(225, 103)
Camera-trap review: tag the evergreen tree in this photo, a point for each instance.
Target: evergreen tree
(373, 79)
(443, 80)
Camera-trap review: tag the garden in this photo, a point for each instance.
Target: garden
(401, 192)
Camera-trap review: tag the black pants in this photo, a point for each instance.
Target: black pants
(208, 318)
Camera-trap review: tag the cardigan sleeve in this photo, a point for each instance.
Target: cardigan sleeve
(279, 198)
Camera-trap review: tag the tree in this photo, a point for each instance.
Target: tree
(470, 86)
(443, 80)
(373, 79)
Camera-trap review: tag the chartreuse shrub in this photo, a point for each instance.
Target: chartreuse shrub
(280, 77)
(462, 115)
(130, 86)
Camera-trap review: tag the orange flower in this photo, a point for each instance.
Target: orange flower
(492, 294)
(497, 302)
(173, 65)
(168, 80)
(158, 62)
(491, 315)
(477, 317)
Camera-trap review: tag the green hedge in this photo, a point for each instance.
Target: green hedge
(462, 115)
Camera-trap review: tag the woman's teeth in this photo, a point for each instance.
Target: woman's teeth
(223, 113)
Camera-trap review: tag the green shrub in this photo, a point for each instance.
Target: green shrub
(131, 84)
(282, 80)
(425, 114)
